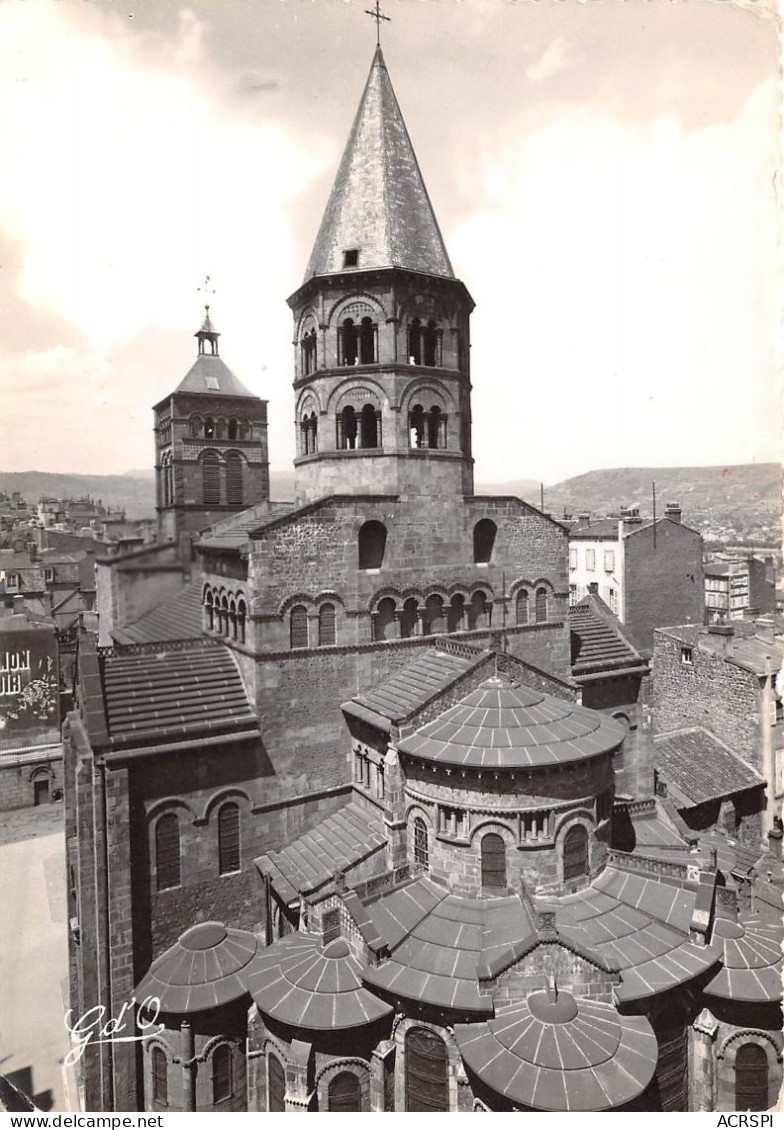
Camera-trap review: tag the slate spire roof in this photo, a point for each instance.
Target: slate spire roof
(379, 206)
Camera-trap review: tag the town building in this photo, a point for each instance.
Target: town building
(649, 573)
(737, 590)
(348, 841)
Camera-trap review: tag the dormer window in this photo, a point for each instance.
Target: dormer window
(351, 257)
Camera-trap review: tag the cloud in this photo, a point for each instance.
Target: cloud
(632, 273)
(554, 60)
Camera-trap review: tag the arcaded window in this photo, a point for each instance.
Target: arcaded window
(347, 426)
(326, 625)
(541, 605)
(484, 540)
(348, 342)
(409, 617)
(276, 1084)
(751, 1078)
(427, 1071)
(224, 616)
(299, 626)
(222, 1081)
(430, 343)
(242, 615)
(229, 838)
(210, 470)
(367, 342)
(433, 621)
(209, 615)
(197, 424)
(160, 1077)
(455, 613)
(167, 852)
(372, 544)
(521, 607)
(383, 621)
(479, 611)
(308, 348)
(370, 426)
(436, 428)
(493, 863)
(415, 342)
(209, 428)
(233, 429)
(421, 847)
(232, 619)
(234, 491)
(575, 853)
(344, 1092)
(309, 431)
(417, 426)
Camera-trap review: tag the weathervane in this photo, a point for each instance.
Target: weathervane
(207, 290)
(378, 16)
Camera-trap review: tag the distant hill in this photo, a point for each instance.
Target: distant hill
(739, 503)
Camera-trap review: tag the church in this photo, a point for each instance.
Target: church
(340, 830)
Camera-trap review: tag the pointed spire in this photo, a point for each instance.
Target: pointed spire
(379, 213)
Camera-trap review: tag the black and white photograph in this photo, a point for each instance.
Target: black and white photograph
(391, 600)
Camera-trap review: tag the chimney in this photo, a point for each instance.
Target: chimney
(593, 588)
(567, 515)
(630, 517)
(583, 519)
(722, 633)
(672, 510)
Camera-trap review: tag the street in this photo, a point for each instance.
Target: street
(34, 956)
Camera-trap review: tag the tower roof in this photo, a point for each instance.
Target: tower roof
(379, 205)
(212, 376)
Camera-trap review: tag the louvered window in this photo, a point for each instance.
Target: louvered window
(421, 849)
(493, 863)
(575, 853)
(299, 626)
(326, 625)
(210, 469)
(222, 1081)
(160, 1077)
(672, 1068)
(344, 1092)
(521, 607)
(751, 1078)
(427, 1081)
(229, 838)
(276, 1096)
(167, 852)
(234, 492)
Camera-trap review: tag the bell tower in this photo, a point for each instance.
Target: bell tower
(210, 444)
(381, 327)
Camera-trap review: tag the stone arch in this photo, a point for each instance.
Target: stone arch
(308, 402)
(357, 305)
(485, 533)
(231, 792)
(308, 320)
(38, 772)
(566, 838)
(286, 605)
(427, 393)
(480, 608)
(384, 618)
(356, 391)
(331, 1071)
(169, 803)
(371, 544)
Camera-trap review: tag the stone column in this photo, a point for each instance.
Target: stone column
(382, 1067)
(703, 1073)
(189, 1067)
(298, 1098)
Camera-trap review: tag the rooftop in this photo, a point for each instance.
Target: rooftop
(504, 725)
(179, 617)
(379, 206)
(698, 767)
(598, 641)
(743, 646)
(211, 376)
(204, 968)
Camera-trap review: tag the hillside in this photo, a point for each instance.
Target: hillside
(739, 503)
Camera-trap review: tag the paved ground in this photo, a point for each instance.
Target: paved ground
(34, 954)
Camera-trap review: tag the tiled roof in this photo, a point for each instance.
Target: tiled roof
(503, 725)
(174, 695)
(299, 982)
(744, 647)
(211, 376)
(203, 969)
(603, 528)
(751, 962)
(697, 767)
(409, 689)
(642, 925)
(569, 1055)
(600, 644)
(178, 617)
(233, 532)
(336, 844)
(379, 204)
(437, 941)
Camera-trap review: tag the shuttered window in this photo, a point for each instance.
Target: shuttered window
(326, 625)
(210, 469)
(234, 492)
(229, 838)
(427, 1081)
(493, 863)
(751, 1078)
(299, 626)
(167, 852)
(160, 1078)
(575, 857)
(344, 1092)
(222, 1081)
(276, 1096)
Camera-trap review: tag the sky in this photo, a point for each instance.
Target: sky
(603, 175)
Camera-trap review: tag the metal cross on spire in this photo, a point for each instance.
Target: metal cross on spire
(207, 290)
(377, 15)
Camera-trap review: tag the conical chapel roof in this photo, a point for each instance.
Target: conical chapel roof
(379, 205)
